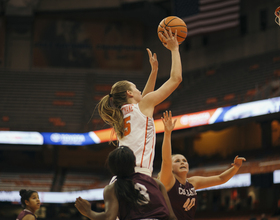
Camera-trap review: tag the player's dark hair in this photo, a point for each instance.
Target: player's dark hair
(25, 195)
(121, 162)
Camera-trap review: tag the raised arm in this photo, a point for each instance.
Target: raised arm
(166, 175)
(200, 182)
(152, 99)
(111, 206)
(150, 85)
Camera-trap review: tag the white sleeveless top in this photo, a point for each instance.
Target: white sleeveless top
(140, 135)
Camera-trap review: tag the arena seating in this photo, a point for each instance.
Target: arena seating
(78, 181)
(228, 84)
(16, 181)
(64, 101)
(33, 99)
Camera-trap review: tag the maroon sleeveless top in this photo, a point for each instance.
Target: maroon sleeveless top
(183, 200)
(154, 208)
(24, 213)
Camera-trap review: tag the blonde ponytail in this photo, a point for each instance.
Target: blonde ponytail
(109, 107)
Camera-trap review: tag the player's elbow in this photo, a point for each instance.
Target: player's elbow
(223, 180)
(177, 79)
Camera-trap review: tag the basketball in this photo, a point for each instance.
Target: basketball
(174, 23)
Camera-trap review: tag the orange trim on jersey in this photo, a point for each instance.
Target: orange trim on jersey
(145, 142)
(152, 150)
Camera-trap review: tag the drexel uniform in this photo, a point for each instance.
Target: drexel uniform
(139, 136)
(154, 207)
(183, 199)
(24, 213)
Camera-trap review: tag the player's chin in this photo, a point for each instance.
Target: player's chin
(183, 169)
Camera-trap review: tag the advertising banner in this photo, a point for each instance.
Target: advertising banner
(212, 116)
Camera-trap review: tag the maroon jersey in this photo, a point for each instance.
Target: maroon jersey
(24, 213)
(154, 208)
(183, 200)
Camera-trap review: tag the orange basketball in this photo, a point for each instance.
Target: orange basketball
(174, 23)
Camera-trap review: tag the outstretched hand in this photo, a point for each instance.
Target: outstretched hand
(171, 42)
(238, 161)
(83, 206)
(153, 59)
(167, 121)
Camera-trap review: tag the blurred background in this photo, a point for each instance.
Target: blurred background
(59, 58)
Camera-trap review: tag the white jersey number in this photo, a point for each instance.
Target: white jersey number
(143, 191)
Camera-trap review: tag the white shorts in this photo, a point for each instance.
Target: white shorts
(143, 170)
(137, 170)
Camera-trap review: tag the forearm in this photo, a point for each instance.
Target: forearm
(150, 85)
(98, 216)
(204, 182)
(94, 215)
(166, 148)
(176, 66)
(228, 174)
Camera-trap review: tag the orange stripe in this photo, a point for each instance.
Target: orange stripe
(152, 150)
(145, 142)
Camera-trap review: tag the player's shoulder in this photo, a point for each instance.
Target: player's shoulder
(109, 187)
(109, 190)
(193, 180)
(29, 216)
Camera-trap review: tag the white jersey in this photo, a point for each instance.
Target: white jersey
(140, 135)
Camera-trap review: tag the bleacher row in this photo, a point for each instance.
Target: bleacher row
(228, 84)
(54, 100)
(17, 181)
(59, 100)
(41, 100)
(43, 181)
(76, 182)
(83, 181)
